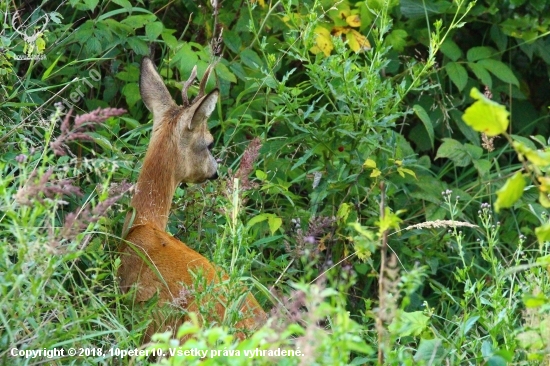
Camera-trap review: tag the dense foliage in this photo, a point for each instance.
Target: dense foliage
(385, 208)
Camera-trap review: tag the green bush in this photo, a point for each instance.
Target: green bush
(384, 210)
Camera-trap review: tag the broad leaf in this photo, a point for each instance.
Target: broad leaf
(357, 42)
(407, 324)
(485, 115)
(479, 53)
(510, 192)
(397, 39)
(430, 352)
(451, 49)
(454, 150)
(482, 74)
(323, 41)
(274, 223)
(153, 30)
(369, 163)
(543, 233)
(500, 70)
(458, 74)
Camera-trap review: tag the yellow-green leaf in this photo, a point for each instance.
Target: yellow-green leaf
(543, 233)
(274, 223)
(261, 175)
(537, 157)
(323, 42)
(357, 42)
(40, 45)
(534, 301)
(544, 184)
(402, 172)
(375, 173)
(544, 200)
(354, 20)
(510, 192)
(343, 212)
(369, 164)
(485, 115)
(390, 221)
(365, 243)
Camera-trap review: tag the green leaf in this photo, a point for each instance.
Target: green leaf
(482, 166)
(419, 9)
(397, 39)
(256, 219)
(123, 3)
(92, 46)
(451, 49)
(138, 46)
(223, 73)
(425, 118)
(305, 157)
(232, 41)
(510, 192)
(138, 21)
(482, 74)
(261, 175)
(454, 150)
(479, 53)
(50, 69)
(500, 39)
(486, 115)
(101, 141)
(169, 39)
(409, 324)
(430, 352)
(251, 59)
(468, 324)
(153, 30)
(274, 223)
(500, 70)
(185, 59)
(131, 93)
(90, 5)
(129, 74)
(458, 74)
(474, 151)
(55, 17)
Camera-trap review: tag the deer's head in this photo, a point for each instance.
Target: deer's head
(180, 133)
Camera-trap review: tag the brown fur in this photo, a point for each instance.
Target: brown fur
(178, 152)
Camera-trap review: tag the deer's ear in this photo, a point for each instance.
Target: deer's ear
(204, 108)
(153, 91)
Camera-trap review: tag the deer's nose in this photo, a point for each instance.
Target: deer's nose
(215, 176)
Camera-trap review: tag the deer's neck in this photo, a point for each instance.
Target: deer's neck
(154, 190)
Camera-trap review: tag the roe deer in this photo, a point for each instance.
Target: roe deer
(179, 151)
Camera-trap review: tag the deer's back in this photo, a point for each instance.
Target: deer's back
(169, 263)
